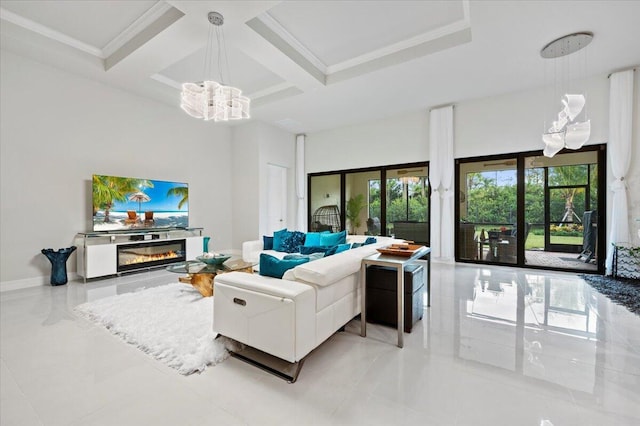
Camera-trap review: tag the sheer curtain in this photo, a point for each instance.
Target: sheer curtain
(301, 214)
(441, 169)
(619, 148)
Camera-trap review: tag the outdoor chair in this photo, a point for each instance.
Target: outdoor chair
(148, 219)
(373, 226)
(132, 217)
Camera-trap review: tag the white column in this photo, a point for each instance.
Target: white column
(301, 186)
(441, 168)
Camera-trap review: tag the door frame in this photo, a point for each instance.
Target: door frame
(548, 245)
(283, 202)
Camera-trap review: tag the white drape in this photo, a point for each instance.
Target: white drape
(301, 187)
(441, 169)
(434, 181)
(619, 148)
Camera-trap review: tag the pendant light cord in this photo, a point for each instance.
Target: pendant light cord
(218, 30)
(226, 58)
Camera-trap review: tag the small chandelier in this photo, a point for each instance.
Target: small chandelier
(566, 131)
(209, 99)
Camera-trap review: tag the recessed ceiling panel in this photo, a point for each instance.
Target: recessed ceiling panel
(336, 31)
(92, 22)
(244, 72)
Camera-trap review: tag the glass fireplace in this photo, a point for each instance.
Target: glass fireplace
(149, 254)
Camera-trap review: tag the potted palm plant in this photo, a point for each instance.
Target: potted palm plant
(354, 207)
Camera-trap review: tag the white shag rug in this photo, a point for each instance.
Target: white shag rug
(173, 323)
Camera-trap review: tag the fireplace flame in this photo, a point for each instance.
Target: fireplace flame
(151, 258)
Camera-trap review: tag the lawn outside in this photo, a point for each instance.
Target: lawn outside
(537, 241)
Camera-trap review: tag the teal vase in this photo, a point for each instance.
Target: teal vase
(205, 244)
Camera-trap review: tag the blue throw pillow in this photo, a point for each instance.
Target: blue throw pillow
(313, 238)
(331, 251)
(315, 256)
(267, 242)
(295, 256)
(333, 239)
(313, 249)
(278, 236)
(343, 247)
(273, 267)
(291, 242)
(356, 245)
(370, 240)
(311, 257)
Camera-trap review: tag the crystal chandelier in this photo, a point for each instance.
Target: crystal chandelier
(567, 131)
(209, 99)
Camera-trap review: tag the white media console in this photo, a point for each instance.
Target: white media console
(110, 253)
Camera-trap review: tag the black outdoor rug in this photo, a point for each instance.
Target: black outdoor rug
(622, 291)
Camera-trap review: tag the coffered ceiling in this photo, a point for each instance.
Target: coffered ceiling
(313, 65)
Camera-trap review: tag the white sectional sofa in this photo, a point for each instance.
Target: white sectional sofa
(289, 317)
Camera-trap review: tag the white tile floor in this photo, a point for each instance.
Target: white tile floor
(499, 346)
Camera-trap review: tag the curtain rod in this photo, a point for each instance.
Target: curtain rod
(624, 69)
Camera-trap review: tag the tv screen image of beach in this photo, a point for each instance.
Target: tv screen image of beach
(121, 203)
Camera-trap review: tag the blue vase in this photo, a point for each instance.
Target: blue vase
(205, 244)
(58, 261)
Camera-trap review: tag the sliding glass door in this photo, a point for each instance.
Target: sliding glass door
(562, 210)
(362, 190)
(325, 195)
(407, 197)
(386, 200)
(487, 228)
(530, 210)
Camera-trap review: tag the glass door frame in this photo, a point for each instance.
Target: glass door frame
(383, 190)
(548, 245)
(520, 204)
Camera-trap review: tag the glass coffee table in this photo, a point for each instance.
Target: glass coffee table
(200, 275)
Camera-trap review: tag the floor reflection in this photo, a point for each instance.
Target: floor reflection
(540, 326)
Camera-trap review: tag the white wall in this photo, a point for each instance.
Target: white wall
(515, 122)
(58, 129)
(401, 139)
(245, 148)
(256, 145)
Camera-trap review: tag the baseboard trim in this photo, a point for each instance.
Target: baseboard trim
(30, 282)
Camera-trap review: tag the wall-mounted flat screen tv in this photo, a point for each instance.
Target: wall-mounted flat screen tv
(122, 203)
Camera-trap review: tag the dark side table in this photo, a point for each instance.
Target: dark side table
(398, 263)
